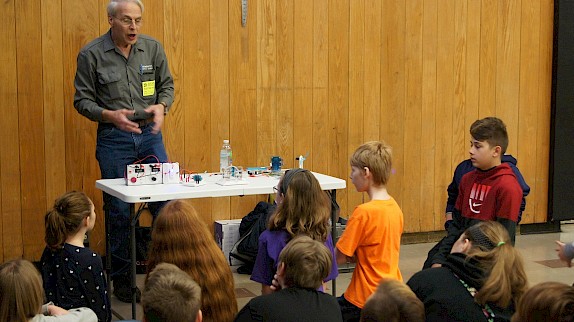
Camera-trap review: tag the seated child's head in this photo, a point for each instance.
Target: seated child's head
(21, 292)
(548, 301)
(489, 138)
(70, 212)
(302, 206)
(304, 262)
(393, 301)
(482, 238)
(171, 295)
(299, 186)
(375, 157)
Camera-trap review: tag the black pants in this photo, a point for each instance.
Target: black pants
(431, 253)
(350, 312)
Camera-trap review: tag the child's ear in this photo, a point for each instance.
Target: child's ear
(281, 269)
(467, 245)
(497, 151)
(199, 316)
(367, 171)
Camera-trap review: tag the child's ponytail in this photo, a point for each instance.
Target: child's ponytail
(55, 229)
(505, 278)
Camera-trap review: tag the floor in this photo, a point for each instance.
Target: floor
(538, 251)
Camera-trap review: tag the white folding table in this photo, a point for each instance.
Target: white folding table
(255, 185)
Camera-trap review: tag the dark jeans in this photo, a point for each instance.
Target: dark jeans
(432, 252)
(350, 312)
(115, 149)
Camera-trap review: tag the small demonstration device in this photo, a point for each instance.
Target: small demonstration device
(140, 174)
(152, 173)
(232, 176)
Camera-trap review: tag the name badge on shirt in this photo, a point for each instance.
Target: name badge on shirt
(146, 69)
(148, 88)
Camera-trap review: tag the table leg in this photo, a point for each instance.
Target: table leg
(108, 255)
(334, 219)
(133, 257)
(108, 228)
(134, 219)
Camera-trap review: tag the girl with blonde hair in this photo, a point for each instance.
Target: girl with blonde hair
(483, 278)
(181, 238)
(21, 297)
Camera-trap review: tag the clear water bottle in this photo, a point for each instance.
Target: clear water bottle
(225, 159)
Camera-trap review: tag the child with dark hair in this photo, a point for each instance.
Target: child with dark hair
(489, 193)
(21, 297)
(73, 274)
(465, 167)
(303, 208)
(303, 265)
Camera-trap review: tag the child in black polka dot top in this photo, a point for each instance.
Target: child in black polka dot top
(73, 275)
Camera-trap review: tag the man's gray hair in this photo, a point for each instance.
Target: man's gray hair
(113, 5)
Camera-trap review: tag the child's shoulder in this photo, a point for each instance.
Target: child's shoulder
(378, 204)
(375, 208)
(275, 236)
(502, 170)
(84, 253)
(505, 176)
(274, 233)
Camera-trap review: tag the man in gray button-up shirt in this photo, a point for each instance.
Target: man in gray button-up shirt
(124, 83)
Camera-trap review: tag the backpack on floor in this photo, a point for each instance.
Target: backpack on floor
(252, 225)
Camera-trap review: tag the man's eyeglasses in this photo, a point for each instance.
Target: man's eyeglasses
(275, 189)
(129, 21)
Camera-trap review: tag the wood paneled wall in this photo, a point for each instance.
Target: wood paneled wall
(304, 76)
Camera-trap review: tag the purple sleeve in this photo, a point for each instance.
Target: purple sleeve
(335, 269)
(270, 245)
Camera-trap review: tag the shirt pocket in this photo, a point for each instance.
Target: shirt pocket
(148, 75)
(110, 81)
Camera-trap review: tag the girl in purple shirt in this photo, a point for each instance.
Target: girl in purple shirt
(302, 208)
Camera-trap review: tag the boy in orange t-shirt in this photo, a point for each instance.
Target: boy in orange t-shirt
(372, 237)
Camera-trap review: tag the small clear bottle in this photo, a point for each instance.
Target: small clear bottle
(225, 159)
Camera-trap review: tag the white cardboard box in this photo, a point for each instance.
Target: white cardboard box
(226, 235)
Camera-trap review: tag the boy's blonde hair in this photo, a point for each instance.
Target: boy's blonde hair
(307, 262)
(393, 301)
(491, 130)
(375, 155)
(170, 295)
(21, 292)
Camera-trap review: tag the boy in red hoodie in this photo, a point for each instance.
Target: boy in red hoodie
(491, 192)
